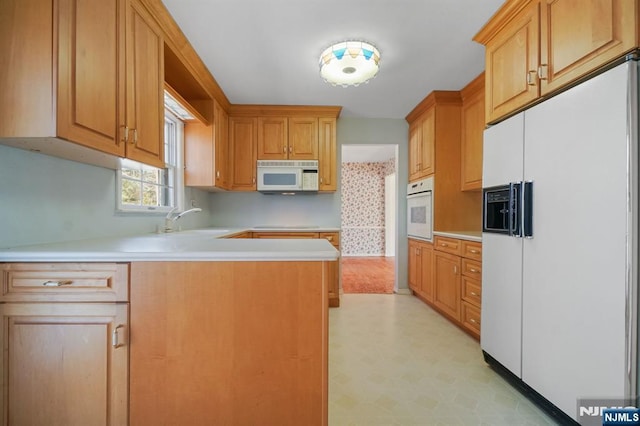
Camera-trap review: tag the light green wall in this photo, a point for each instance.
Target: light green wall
(46, 199)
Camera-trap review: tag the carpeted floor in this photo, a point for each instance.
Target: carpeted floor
(368, 274)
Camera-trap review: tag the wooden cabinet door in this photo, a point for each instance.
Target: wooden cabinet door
(272, 138)
(221, 141)
(473, 124)
(243, 146)
(60, 366)
(446, 294)
(327, 154)
(415, 264)
(428, 144)
(415, 149)
(145, 88)
(206, 149)
(579, 36)
(90, 86)
(512, 63)
(303, 138)
(426, 271)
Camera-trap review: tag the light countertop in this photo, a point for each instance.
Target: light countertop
(192, 245)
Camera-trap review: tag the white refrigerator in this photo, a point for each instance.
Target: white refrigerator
(559, 307)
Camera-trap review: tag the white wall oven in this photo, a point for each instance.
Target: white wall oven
(420, 209)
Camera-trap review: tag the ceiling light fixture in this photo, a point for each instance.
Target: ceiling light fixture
(349, 63)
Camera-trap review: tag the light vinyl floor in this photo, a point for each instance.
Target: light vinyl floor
(395, 361)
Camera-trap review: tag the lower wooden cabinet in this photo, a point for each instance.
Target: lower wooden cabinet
(446, 295)
(62, 364)
(421, 268)
(447, 275)
(234, 343)
(334, 268)
(65, 359)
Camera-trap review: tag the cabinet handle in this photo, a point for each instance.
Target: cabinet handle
(290, 149)
(474, 321)
(114, 336)
(57, 283)
(135, 136)
(531, 81)
(284, 149)
(218, 174)
(473, 251)
(475, 271)
(253, 180)
(455, 269)
(125, 134)
(473, 293)
(543, 71)
(444, 245)
(321, 181)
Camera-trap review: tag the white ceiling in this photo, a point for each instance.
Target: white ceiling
(266, 52)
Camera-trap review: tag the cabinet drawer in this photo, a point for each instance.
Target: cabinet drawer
(449, 245)
(471, 317)
(332, 237)
(283, 235)
(472, 250)
(472, 268)
(64, 282)
(471, 291)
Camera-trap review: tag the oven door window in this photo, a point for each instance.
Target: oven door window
(419, 215)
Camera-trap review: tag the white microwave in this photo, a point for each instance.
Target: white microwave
(287, 175)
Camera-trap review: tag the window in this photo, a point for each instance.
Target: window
(143, 188)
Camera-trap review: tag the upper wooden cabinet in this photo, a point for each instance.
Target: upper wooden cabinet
(422, 145)
(327, 154)
(295, 133)
(471, 137)
(206, 149)
(144, 127)
(89, 72)
(287, 138)
(273, 142)
(535, 47)
(243, 136)
(437, 119)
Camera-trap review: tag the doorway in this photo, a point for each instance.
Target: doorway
(368, 218)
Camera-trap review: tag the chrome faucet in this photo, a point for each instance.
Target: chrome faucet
(169, 221)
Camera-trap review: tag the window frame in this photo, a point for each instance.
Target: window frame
(176, 172)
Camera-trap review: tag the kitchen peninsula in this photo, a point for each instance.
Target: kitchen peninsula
(217, 330)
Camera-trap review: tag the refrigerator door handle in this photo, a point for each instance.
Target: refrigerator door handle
(515, 209)
(527, 209)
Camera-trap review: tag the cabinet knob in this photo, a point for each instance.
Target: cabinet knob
(57, 283)
(543, 71)
(125, 133)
